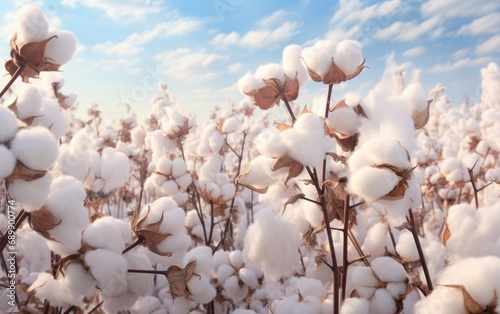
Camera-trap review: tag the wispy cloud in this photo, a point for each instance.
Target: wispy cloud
(124, 11)
(414, 52)
(467, 62)
(407, 31)
(490, 45)
(186, 64)
(272, 19)
(488, 24)
(133, 44)
(233, 68)
(445, 9)
(259, 38)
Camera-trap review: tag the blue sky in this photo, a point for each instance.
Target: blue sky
(201, 48)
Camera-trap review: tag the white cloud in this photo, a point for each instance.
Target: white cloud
(352, 11)
(264, 37)
(123, 10)
(487, 24)
(272, 19)
(458, 8)
(132, 45)
(415, 51)
(490, 45)
(459, 54)
(467, 62)
(407, 31)
(233, 68)
(186, 64)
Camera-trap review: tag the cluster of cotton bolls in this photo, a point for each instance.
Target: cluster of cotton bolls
(107, 171)
(161, 224)
(169, 178)
(235, 279)
(384, 284)
(309, 296)
(175, 124)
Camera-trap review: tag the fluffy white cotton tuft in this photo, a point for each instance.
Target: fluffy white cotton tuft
(31, 23)
(273, 243)
(8, 124)
(292, 64)
(29, 102)
(109, 269)
(46, 287)
(348, 56)
(31, 194)
(115, 169)
(372, 183)
(317, 60)
(35, 147)
(8, 162)
(61, 48)
(355, 306)
(53, 118)
(387, 269)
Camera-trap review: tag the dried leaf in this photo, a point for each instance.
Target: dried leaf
(358, 70)
(286, 161)
(42, 221)
(340, 104)
(282, 127)
(360, 111)
(150, 233)
(335, 194)
(293, 199)
(334, 75)
(266, 97)
(446, 233)
(291, 89)
(354, 294)
(314, 76)
(471, 306)
(396, 194)
(347, 143)
(24, 173)
(178, 278)
(421, 118)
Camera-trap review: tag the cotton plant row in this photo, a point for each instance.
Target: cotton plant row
(368, 205)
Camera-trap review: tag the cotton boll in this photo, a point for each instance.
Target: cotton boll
(317, 60)
(273, 243)
(104, 233)
(53, 118)
(248, 83)
(117, 303)
(234, 290)
(230, 125)
(203, 257)
(170, 188)
(31, 24)
(236, 259)
(311, 287)
(344, 120)
(372, 183)
(184, 181)
(35, 147)
(377, 240)
(248, 277)
(179, 167)
(224, 271)
(271, 144)
(201, 289)
(387, 269)
(175, 243)
(292, 64)
(352, 306)
(382, 302)
(61, 48)
(46, 287)
(78, 283)
(415, 93)
(363, 277)
(29, 102)
(31, 194)
(109, 269)
(442, 300)
(270, 71)
(406, 246)
(8, 162)
(8, 124)
(348, 56)
(396, 289)
(115, 169)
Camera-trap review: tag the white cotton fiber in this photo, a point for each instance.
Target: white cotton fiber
(372, 183)
(35, 147)
(111, 274)
(53, 118)
(382, 302)
(311, 287)
(46, 287)
(234, 290)
(274, 243)
(344, 120)
(317, 60)
(348, 56)
(104, 233)
(248, 83)
(415, 93)
(387, 269)
(270, 71)
(224, 271)
(139, 284)
(179, 167)
(31, 194)
(31, 23)
(362, 276)
(115, 169)
(230, 125)
(29, 102)
(248, 277)
(78, 283)
(8, 162)
(8, 124)
(292, 64)
(60, 49)
(354, 306)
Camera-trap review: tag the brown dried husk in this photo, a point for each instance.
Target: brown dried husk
(22, 172)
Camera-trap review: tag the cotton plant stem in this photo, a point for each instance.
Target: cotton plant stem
(288, 107)
(12, 79)
(413, 230)
(21, 216)
(137, 242)
(345, 257)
